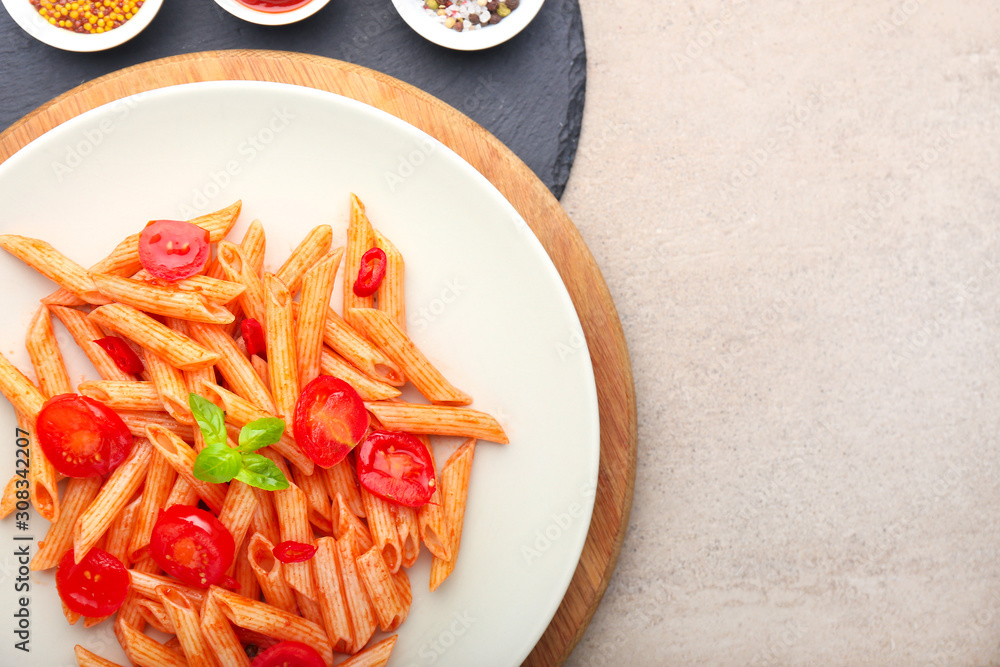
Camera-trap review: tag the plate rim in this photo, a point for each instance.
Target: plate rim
(549, 222)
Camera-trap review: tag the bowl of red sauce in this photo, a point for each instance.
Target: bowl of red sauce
(272, 12)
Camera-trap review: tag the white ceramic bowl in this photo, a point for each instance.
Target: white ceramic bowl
(26, 16)
(271, 18)
(416, 17)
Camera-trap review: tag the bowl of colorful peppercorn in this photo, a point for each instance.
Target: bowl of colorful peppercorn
(467, 25)
(82, 25)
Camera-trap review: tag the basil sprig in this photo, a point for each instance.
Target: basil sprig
(219, 462)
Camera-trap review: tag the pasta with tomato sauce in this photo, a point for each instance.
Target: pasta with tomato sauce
(244, 476)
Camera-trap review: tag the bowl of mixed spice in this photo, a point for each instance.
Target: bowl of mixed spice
(467, 25)
(82, 25)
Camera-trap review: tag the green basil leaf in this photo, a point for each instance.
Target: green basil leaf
(217, 463)
(261, 472)
(210, 418)
(261, 433)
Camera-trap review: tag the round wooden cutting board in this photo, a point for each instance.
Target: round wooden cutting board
(562, 241)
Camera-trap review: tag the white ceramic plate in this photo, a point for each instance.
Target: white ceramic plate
(271, 18)
(416, 17)
(26, 16)
(483, 300)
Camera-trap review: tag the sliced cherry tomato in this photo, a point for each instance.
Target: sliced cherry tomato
(397, 467)
(192, 545)
(371, 273)
(253, 336)
(173, 249)
(293, 552)
(124, 357)
(81, 436)
(289, 654)
(96, 586)
(330, 419)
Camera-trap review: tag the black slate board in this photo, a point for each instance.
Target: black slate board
(528, 92)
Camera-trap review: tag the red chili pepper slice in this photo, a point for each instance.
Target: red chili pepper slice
(123, 356)
(290, 551)
(371, 273)
(253, 336)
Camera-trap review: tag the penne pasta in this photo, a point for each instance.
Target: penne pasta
(187, 625)
(330, 595)
(43, 489)
(170, 387)
(268, 571)
(215, 290)
(237, 512)
(160, 480)
(455, 489)
(437, 420)
(138, 420)
(79, 495)
(219, 635)
(84, 331)
(120, 532)
(388, 337)
(47, 359)
(19, 390)
(169, 301)
(279, 333)
(85, 658)
(176, 349)
(271, 621)
(308, 253)
(382, 524)
(408, 530)
(123, 395)
(376, 655)
(145, 651)
(233, 366)
(236, 269)
(360, 239)
(390, 295)
(364, 356)
(317, 288)
(116, 492)
(382, 592)
(182, 457)
(293, 523)
(54, 265)
(331, 363)
(363, 620)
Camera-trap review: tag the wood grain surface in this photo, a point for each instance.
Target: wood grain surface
(562, 241)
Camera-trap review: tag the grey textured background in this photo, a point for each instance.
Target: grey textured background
(528, 91)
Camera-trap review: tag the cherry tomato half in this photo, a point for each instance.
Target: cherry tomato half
(96, 586)
(81, 436)
(192, 545)
(253, 336)
(330, 419)
(397, 467)
(124, 357)
(293, 552)
(173, 249)
(289, 654)
(371, 273)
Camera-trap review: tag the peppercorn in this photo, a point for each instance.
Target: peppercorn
(492, 5)
(512, 4)
(494, 18)
(503, 10)
(460, 26)
(94, 16)
(474, 19)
